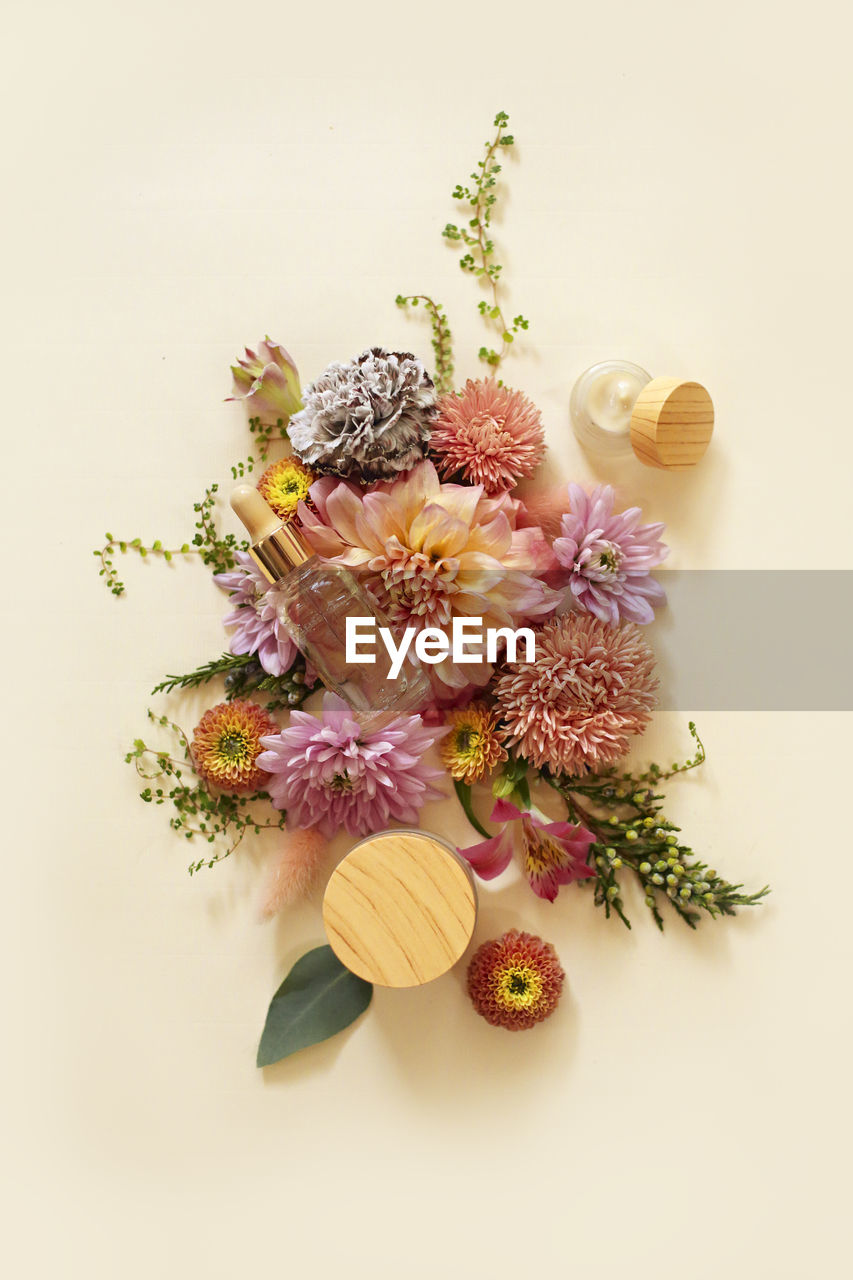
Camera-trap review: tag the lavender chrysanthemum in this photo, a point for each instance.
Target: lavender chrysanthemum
(609, 556)
(328, 773)
(368, 419)
(255, 619)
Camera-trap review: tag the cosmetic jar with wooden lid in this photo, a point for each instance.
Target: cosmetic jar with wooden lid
(617, 409)
(400, 908)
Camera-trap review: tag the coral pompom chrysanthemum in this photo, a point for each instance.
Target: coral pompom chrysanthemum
(590, 689)
(515, 981)
(284, 485)
(227, 743)
(490, 433)
(474, 745)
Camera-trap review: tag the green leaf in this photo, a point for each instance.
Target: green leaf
(318, 998)
(463, 791)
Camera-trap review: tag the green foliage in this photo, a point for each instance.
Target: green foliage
(243, 675)
(318, 998)
(463, 793)
(625, 814)
(111, 545)
(201, 813)
(442, 339)
(474, 235)
(266, 434)
(215, 551)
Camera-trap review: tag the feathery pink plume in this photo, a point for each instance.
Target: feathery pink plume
(295, 871)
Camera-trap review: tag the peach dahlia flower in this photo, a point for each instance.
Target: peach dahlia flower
(430, 552)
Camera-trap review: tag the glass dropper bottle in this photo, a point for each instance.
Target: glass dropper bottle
(313, 600)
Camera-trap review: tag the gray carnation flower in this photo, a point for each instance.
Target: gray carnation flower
(366, 420)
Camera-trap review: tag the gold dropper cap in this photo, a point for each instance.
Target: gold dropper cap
(276, 548)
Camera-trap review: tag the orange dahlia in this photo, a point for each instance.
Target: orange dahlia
(284, 485)
(515, 981)
(227, 743)
(474, 744)
(490, 433)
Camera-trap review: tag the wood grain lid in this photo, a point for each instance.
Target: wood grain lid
(671, 424)
(400, 909)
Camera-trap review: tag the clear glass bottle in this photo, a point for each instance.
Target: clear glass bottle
(314, 600)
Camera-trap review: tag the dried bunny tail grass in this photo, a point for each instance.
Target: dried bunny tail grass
(295, 871)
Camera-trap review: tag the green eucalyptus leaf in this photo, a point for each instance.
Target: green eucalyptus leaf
(318, 998)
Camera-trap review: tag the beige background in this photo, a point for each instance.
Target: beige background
(181, 178)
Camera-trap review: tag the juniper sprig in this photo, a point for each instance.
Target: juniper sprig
(244, 674)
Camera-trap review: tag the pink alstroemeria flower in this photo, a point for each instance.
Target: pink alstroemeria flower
(554, 852)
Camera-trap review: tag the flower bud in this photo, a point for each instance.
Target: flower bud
(267, 381)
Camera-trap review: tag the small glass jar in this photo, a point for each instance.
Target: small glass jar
(601, 405)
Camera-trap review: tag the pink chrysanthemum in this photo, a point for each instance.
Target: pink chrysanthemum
(591, 687)
(328, 773)
(515, 981)
(227, 744)
(256, 618)
(490, 433)
(609, 557)
(554, 852)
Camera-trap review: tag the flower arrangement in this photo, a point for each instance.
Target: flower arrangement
(386, 469)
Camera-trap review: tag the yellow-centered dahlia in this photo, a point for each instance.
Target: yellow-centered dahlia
(227, 743)
(474, 744)
(515, 981)
(284, 485)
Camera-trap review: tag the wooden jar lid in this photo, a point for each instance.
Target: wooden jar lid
(400, 909)
(671, 424)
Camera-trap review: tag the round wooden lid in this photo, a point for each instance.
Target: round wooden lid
(671, 423)
(400, 909)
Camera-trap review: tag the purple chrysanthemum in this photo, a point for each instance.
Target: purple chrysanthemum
(257, 626)
(328, 773)
(609, 557)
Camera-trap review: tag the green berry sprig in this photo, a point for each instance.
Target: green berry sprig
(625, 814)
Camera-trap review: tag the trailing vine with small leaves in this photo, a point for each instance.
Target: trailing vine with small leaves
(216, 551)
(442, 339)
(478, 258)
(478, 261)
(201, 813)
